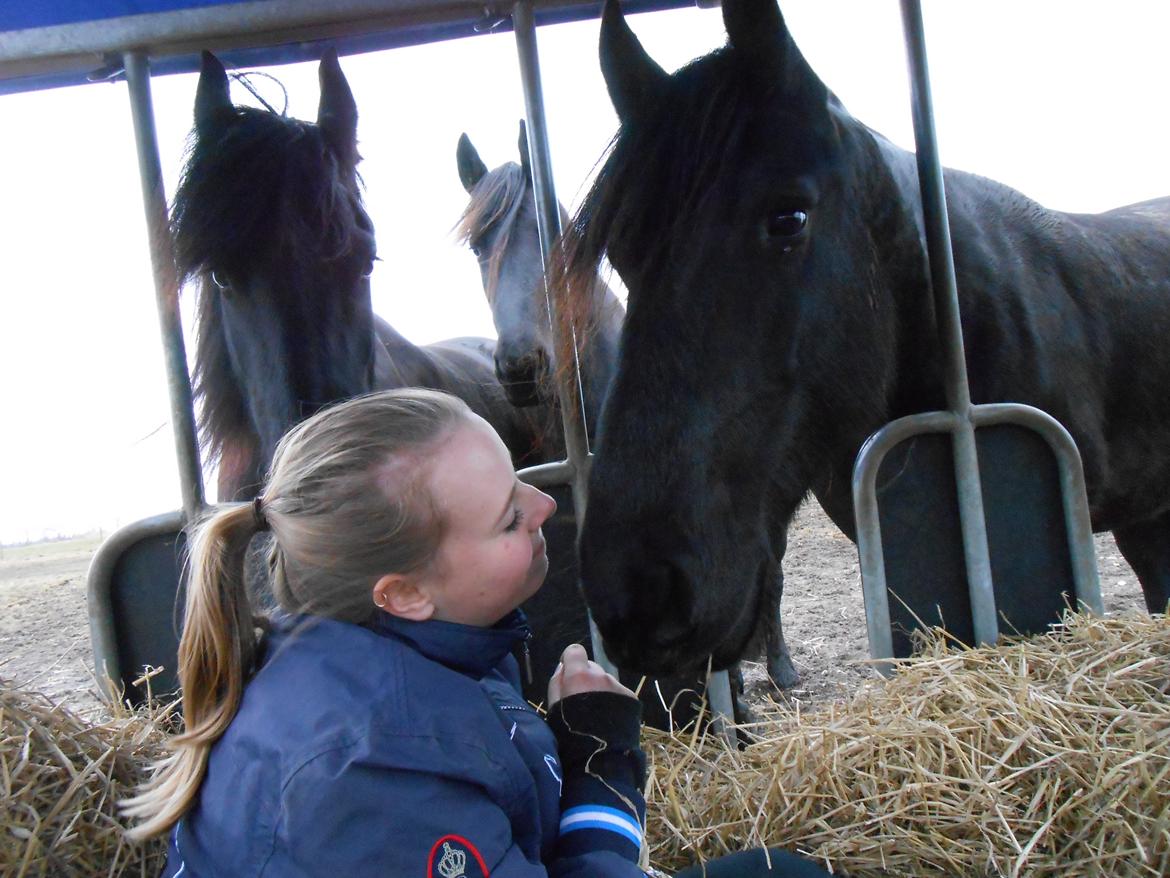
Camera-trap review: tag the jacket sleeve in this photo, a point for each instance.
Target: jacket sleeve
(602, 808)
(348, 812)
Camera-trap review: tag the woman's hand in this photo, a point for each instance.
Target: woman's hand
(576, 674)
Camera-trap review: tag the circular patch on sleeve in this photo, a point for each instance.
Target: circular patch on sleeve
(455, 857)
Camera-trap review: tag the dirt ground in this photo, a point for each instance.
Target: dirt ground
(824, 616)
(44, 629)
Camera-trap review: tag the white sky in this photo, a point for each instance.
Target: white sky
(1064, 99)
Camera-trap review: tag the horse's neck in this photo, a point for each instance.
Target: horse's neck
(888, 196)
(1021, 234)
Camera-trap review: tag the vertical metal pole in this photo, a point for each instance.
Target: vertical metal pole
(548, 221)
(166, 283)
(946, 299)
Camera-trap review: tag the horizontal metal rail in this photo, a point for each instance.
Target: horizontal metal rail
(69, 48)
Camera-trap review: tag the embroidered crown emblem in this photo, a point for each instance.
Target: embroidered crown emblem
(453, 863)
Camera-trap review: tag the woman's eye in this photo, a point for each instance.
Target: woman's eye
(787, 223)
(514, 524)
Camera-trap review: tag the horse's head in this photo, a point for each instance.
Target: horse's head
(269, 215)
(731, 204)
(499, 224)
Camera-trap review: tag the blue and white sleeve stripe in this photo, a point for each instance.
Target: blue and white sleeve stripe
(600, 817)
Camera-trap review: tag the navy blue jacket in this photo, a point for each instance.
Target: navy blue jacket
(405, 749)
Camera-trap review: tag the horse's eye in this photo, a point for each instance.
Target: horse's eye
(220, 282)
(787, 223)
(477, 251)
(372, 260)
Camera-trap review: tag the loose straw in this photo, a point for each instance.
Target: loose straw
(1048, 756)
(60, 780)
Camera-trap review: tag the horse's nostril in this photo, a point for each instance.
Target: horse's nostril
(525, 368)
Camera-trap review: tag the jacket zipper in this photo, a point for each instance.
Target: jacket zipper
(527, 658)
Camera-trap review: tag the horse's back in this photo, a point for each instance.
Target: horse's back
(481, 349)
(1068, 312)
(1154, 209)
(451, 364)
(460, 366)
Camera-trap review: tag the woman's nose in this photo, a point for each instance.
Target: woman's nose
(544, 506)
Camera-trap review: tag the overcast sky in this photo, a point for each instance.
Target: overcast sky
(1055, 97)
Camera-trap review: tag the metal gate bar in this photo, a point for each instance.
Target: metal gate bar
(548, 222)
(166, 284)
(946, 303)
(962, 417)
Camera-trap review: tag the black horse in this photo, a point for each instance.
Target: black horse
(779, 295)
(269, 216)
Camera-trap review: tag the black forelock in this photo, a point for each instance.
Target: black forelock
(262, 182)
(662, 163)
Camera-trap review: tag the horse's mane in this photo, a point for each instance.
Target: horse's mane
(496, 202)
(261, 184)
(656, 171)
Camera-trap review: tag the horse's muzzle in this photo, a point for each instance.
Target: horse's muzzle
(523, 379)
(522, 394)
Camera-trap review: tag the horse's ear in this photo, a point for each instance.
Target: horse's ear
(337, 111)
(525, 158)
(756, 29)
(632, 77)
(471, 166)
(212, 95)
(754, 26)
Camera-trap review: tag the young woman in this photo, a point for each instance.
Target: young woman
(374, 726)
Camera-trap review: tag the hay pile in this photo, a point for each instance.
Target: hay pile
(60, 779)
(1042, 757)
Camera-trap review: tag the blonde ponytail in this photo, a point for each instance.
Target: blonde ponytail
(216, 654)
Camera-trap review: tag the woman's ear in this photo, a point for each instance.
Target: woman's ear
(400, 595)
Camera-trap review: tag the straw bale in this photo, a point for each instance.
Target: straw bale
(1044, 756)
(60, 779)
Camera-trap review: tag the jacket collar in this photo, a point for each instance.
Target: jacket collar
(468, 649)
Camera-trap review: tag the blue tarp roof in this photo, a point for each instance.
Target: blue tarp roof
(69, 42)
(23, 16)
